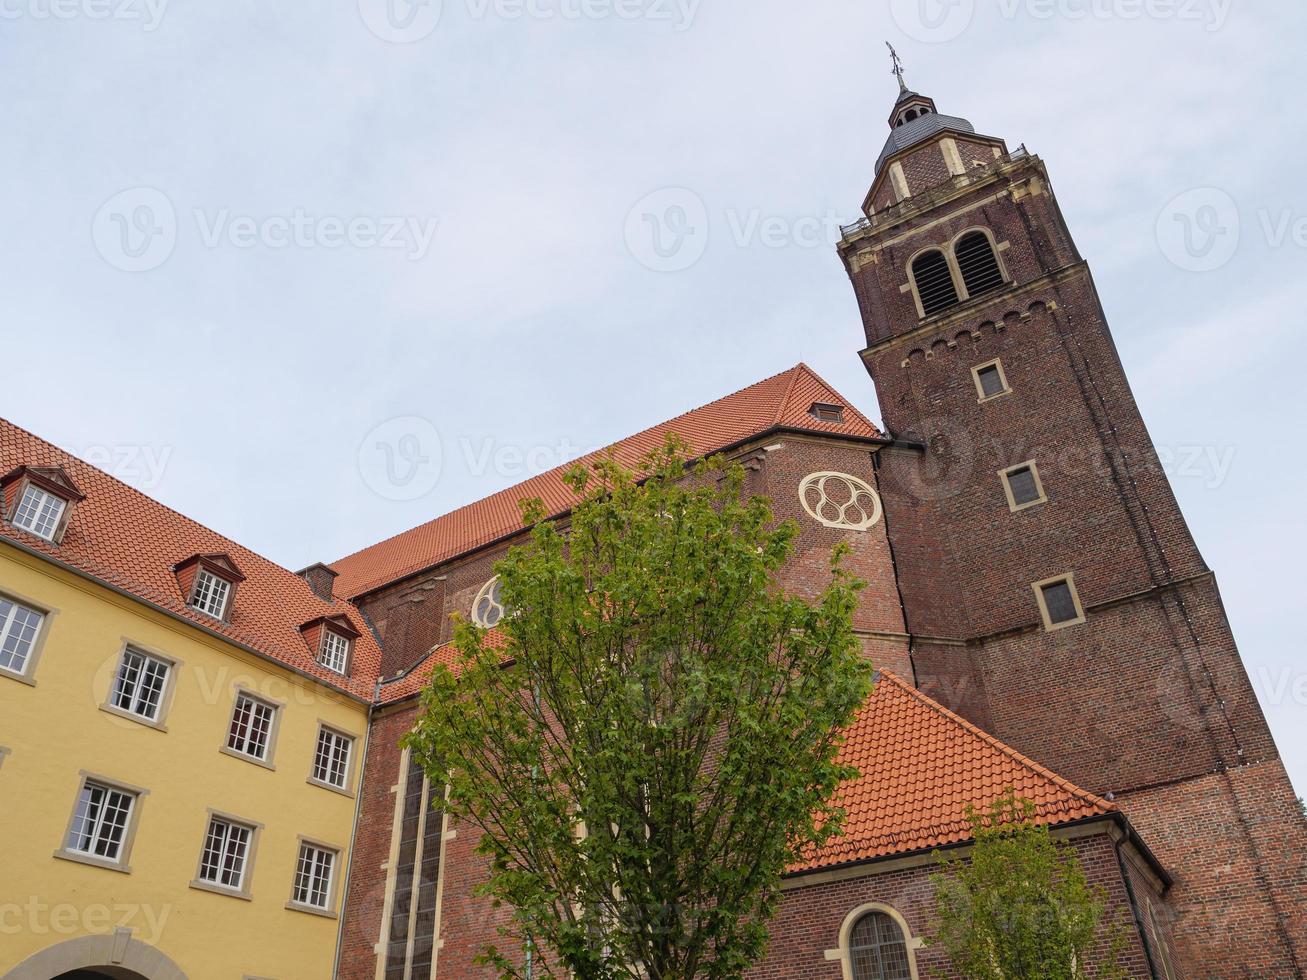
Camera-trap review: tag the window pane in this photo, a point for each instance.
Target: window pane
(251, 726)
(100, 822)
(18, 626)
(1061, 605)
(1024, 488)
(39, 512)
(991, 381)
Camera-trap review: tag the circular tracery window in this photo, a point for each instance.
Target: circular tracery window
(840, 500)
(488, 607)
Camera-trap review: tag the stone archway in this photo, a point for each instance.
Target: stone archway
(109, 957)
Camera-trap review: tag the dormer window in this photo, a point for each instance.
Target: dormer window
(335, 651)
(209, 584)
(331, 641)
(39, 512)
(211, 594)
(823, 412)
(40, 499)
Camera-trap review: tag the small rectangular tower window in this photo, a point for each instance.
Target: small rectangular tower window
(1022, 486)
(39, 512)
(990, 380)
(1059, 603)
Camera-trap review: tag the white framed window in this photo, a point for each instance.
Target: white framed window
(226, 855)
(40, 512)
(101, 821)
(488, 607)
(139, 686)
(314, 877)
(334, 654)
(210, 594)
(19, 627)
(331, 758)
(252, 724)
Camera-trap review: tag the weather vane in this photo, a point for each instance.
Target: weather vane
(898, 67)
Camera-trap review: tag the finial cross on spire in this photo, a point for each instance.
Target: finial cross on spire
(898, 67)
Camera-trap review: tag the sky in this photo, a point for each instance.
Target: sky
(313, 274)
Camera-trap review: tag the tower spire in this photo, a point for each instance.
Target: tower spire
(898, 67)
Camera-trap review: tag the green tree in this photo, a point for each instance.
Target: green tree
(1019, 906)
(652, 737)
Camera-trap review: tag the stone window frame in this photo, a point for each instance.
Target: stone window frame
(351, 762)
(331, 909)
(996, 362)
(28, 674)
(843, 955)
(486, 592)
(247, 875)
(949, 248)
(278, 709)
(856, 484)
(1070, 579)
(165, 697)
(1012, 504)
(122, 863)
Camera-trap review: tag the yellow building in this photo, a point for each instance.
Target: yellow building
(182, 732)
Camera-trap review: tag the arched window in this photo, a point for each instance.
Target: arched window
(934, 282)
(912, 114)
(978, 264)
(878, 950)
(488, 606)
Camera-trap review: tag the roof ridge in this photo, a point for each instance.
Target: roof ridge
(154, 501)
(794, 373)
(835, 391)
(1018, 757)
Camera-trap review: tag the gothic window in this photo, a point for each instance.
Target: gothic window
(978, 264)
(411, 938)
(934, 282)
(488, 607)
(878, 950)
(840, 501)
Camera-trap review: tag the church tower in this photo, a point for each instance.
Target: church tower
(1052, 591)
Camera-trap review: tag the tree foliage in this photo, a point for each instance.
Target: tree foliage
(1019, 906)
(652, 738)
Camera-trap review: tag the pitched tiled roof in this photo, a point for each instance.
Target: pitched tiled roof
(131, 542)
(921, 765)
(783, 401)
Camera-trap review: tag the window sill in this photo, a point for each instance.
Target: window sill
(90, 859)
(340, 790)
(310, 910)
(113, 709)
(208, 886)
(248, 758)
(1054, 627)
(14, 675)
(1018, 508)
(990, 398)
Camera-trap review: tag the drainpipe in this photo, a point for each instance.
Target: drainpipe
(354, 833)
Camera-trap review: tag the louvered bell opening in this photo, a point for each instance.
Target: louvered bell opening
(934, 282)
(979, 265)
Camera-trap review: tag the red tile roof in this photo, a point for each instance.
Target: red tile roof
(131, 542)
(783, 401)
(921, 765)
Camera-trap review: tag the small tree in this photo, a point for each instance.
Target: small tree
(652, 738)
(1019, 906)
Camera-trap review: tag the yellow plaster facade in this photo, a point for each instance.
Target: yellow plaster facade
(59, 913)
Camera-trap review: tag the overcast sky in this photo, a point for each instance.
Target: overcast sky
(313, 274)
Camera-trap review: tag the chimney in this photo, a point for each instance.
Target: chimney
(321, 578)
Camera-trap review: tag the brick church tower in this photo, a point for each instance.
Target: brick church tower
(1052, 591)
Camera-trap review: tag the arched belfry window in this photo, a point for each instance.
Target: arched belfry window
(978, 264)
(934, 282)
(878, 949)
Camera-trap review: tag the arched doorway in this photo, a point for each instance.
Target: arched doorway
(107, 957)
